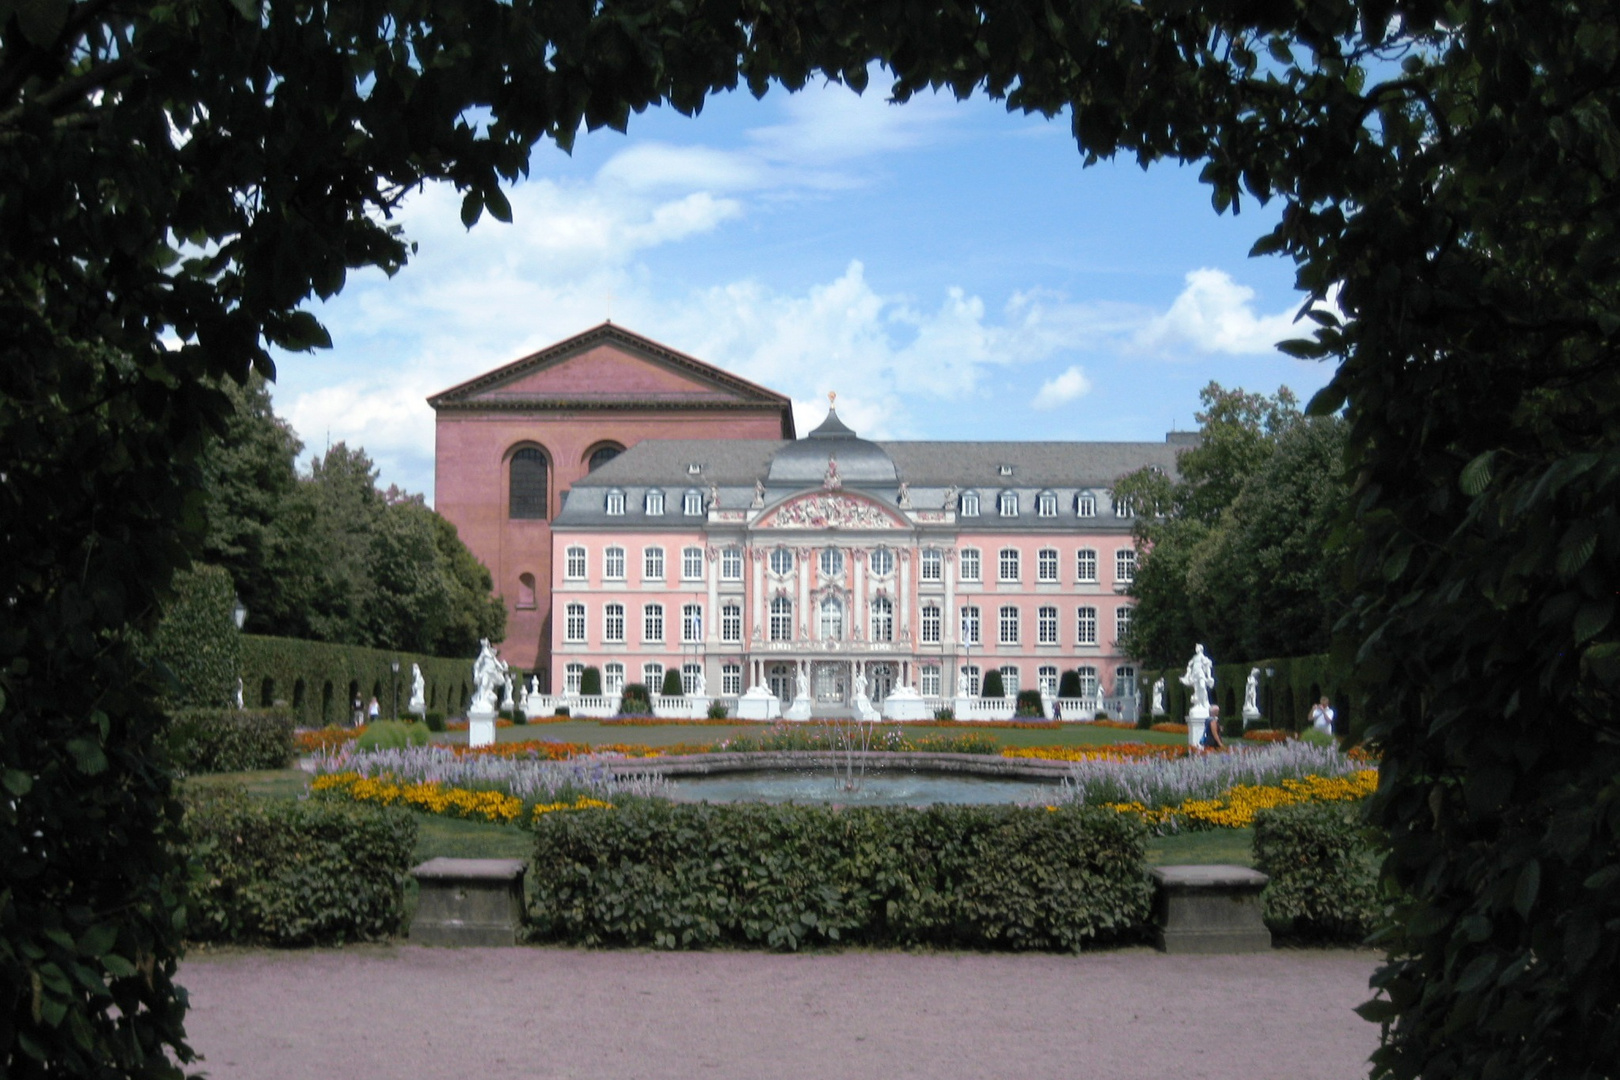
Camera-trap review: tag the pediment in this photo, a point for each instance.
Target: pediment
(607, 366)
(830, 510)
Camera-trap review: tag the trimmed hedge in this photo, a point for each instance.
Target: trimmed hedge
(392, 735)
(635, 700)
(673, 875)
(229, 740)
(314, 678)
(1029, 704)
(306, 872)
(196, 644)
(1323, 863)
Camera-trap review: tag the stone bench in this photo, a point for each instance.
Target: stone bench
(468, 902)
(1209, 909)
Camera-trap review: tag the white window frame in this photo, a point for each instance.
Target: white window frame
(830, 563)
(1124, 506)
(1046, 680)
(1007, 628)
(1007, 504)
(1122, 621)
(652, 677)
(781, 561)
(1085, 626)
(882, 619)
(689, 677)
(1046, 626)
(613, 678)
(781, 619)
(931, 566)
(654, 503)
(928, 680)
(1125, 565)
(971, 564)
(973, 679)
(968, 504)
(1046, 566)
(731, 622)
(691, 623)
(731, 564)
(1085, 566)
(730, 679)
(613, 623)
(615, 504)
(1088, 681)
(573, 674)
(692, 504)
(970, 624)
(613, 564)
(574, 563)
(1008, 566)
(691, 564)
(1046, 505)
(1009, 680)
(882, 562)
(831, 619)
(652, 564)
(1124, 674)
(652, 624)
(1085, 505)
(574, 624)
(931, 624)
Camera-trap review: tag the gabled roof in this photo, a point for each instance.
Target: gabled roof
(650, 376)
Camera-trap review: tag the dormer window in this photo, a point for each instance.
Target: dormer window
(692, 504)
(655, 503)
(969, 504)
(1006, 470)
(1007, 504)
(1085, 505)
(1124, 506)
(693, 468)
(615, 504)
(1046, 505)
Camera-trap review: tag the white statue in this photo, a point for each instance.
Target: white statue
(759, 494)
(1251, 691)
(1158, 697)
(418, 703)
(700, 685)
(239, 702)
(1200, 678)
(489, 671)
(904, 497)
(961, 682)
(506, 691)
(860, 683)
(801, 684)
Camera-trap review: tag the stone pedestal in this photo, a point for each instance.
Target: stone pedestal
(906, 704)
(1209, 909)
(1196, 719)
(480, 729)
(864, 711)
(468, 902)
(1250, 716)
(699, 705)
(799, 710)
(759, 704)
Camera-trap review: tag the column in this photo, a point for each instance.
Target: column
(905, 600)
(711, 624)
(952, 618)
(757, 557)
(858, 594)
(802, 608)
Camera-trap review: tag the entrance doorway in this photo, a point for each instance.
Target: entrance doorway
(779, 678)
(830, 682)
(880, 680)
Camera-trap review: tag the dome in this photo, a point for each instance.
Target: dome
(804, 463)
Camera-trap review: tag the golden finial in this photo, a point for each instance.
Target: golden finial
(832, 398)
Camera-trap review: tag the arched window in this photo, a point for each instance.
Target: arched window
(601, 456)
(781, 619)
(882, 619)
(525, 591)
(527, 476)
(832, 619)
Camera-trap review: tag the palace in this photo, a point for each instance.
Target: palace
(748, 559)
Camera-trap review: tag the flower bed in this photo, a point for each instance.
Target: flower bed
(431, 797)
(1268, 736)
(1170, 729)
(1237, 808)
(1124, 751)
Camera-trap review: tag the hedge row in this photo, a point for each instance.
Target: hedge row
(306, 872)
(673, 875)
(1285, 699)
(318, 680)
(230, 740)
(1323, 863)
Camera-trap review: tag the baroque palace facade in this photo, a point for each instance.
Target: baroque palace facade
(746, 558)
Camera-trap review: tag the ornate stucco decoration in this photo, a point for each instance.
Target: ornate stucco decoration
(828, 511)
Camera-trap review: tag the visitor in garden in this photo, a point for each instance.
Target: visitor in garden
(373, 710)
(1057, 710)
(357, 711)
(1322, 716)
(1212, 730)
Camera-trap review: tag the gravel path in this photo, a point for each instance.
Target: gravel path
(421, 1014)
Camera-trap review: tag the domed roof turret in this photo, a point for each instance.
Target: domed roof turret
(805, 462)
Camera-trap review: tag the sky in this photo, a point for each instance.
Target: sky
(949, 269)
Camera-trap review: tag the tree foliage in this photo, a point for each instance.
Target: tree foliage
(196, 645)
(193, 171)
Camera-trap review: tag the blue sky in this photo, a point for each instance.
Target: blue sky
(949, 269)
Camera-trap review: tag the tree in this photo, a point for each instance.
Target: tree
(192, 172)
(196, 645)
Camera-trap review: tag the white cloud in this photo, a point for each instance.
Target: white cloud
(1214, 314)
(1067, 387)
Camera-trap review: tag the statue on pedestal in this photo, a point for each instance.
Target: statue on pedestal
(1158, 697)
(489, 672)
(1251, 691)
(418, 703)
(1200, 678)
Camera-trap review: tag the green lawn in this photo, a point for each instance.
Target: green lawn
(595, 732)
(1233, 846)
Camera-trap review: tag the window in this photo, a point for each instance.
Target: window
(574, 624)
(1125, 565)
(613, 564)
(692, 504)
(1085, 565)
(832, 619)
(652, 622)
(655, 503)
(526, 485)
(572, 674)
(692, 564)
(781, 619)
(882, 562)
(970, 564)
(691, 622)
(652, 564)
(1085, 627)
(1008, 564)
(930, 624)
(689, 678)
(1124, 506)
(1007, 504)
(1122, 624)
(1088, 682)
(615, 504)
(1125, 682)
(652, 675)
(1046, 505)
(929, 680)
(613, 678)
(1046, 626)
(602, 455)
(1009, 681)
(1085, 505)
(731, 679)
(832, 563)
(613, 622)
(574, 564)
(731, 560)
(971, 671)
(882, 619)
(731, 623)
(1046, 680)
(932, 566)
(968, 504)
(1009, 625)
(781, 562)
(1046, 562)
(970, 625)
(525, 591)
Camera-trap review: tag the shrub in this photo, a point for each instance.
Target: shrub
(635, 701)
(230, 740)
(993, 687)
(314, 676)
(392, 735)
(1069, 685)
(562, 710)
(1029, 704)
(434, 720)
(672, 684)
(946, 713)
(1100, 714)
(674, 875)
(590, 682)
(290, 872)
(717, 710)
(504, 714)
(519, 717)
(1323, 864)
(196, 644)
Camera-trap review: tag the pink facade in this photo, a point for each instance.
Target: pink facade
(511, 443)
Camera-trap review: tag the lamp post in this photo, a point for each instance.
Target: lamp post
(395, 666)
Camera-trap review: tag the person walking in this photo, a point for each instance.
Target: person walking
(357, 711)
(373, 710)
